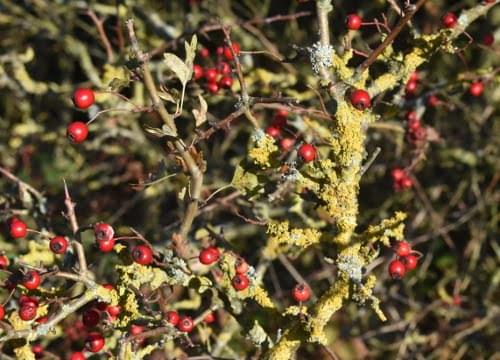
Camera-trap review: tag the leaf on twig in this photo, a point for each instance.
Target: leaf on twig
(163, 132)
(200, 115)
(178, 67)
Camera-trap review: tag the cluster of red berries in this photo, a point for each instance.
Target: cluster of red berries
(78, 131)
(216, 75)
(416, 134)
(401, 180)
(406, 260)
(183, 323)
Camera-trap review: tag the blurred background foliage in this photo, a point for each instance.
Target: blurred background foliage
(446, 309)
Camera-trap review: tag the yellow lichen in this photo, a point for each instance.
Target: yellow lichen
(38, 254)
(262, 151)
(283, 239)
(262, 297)
(24, 353)
(392, 228)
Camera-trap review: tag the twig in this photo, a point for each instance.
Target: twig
(370, 161)
(104, 38)
(295, 274)
(28, 187)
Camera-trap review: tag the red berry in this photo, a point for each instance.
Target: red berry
(77, 132)
(414, 76)
(42, 320)
(226, 82)
(213, 88)
(37, 349)
(28, 300)
(241, 266)
(488, 39)
(94, 342)
(449, 20)
(27, 312)
(273, 131)
(83, 98)
(113, 310)
(108, 287)
(211, 75)
(410, 262)
(240, 282)
(172, 317)
(77, 356)
(287, 143)
(106, 245)
(301, 293)
(411, 88)
(142, 254)
(219, 51)
(208, 256)
(209, 318)
(185, 324)
(406, 183)
(58, 245)
(223, 68)
(360, 99)
(18, 229)
(227, 51)
(433, 100)
(103, 231)
(476, 88)
(403, 249)
(91, 318)
(2, 312)
(197, 72)
(396, 269)
(4, 262)
(204, 52)
(353, 22)
(31, 280)
(136, 329)
(307, 152)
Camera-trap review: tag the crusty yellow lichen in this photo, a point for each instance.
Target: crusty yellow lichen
(282, 239)
(391, 228)
(262, 150)
(364, 293)
(38, 254)
(261, 296)
(24, 352)
(286, 347)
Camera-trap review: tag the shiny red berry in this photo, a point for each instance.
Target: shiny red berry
(273, 131)
(197, 72)
(449, 20)
(307, 152)
(280, 118)
(406, 183)
(113, 310)
(410, 262)
(77, 132)
(172, 317)
(360, 99)
(488, 39)
(94, 342)
(209, 318)
(31, 280)
(142, 254)
(58, 245)
(213, 88)
(103, 231)
(224, 68)
(433, 101)
(241, 266)
(28, 300)
(301, 293)
(227, 51)
(476, 88)
(2, 312)
(396, 269)
(77, 356)
(353, 22)
(403, 249)
(411, 88)
(219, 51)
(91, 318)
(287, 143)
(18, 229)
(136, 329)
(4, 262)
(211, 75)
(240, 282)
(37, 349)
(414, 76)
(106, 245)
(83, 98)
(208, 256)
(185, 324)
(42, 319)
(204, 52)
(27, 312)
(226, 82)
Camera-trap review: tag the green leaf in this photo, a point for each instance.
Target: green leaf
(178, 67)
(190, 54)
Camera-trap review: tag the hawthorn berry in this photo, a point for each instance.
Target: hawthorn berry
(273, 131)
(209, 318)
(136, 329)
(113, 310)
(414, 76)
(211, 75)
(77, 356)
(476, 88)
(213, 88)
(226, 82)
(449, 20)
(224, 68)
(433, 100)
(18, 229)
(209, 255)
(228, 53)
(37, 349)
(94, 342)
(142, 254)
(172, 317)
(219, 51)
(488, 39)
(204, 52)
(301, 293)
(2, 312)
(42, 319)
(241, 266)
(31, 280)
(185, 324)
(77, 132)
(307, 152)
(4, 262)
(28, 300)
(287, 143)
(410, 262)
(106, 245)
(103, 231)
(396, 269)
(403, 248)
(360, 99)
(280, 118)
(91, 318)
(240, 282)
(83, 98)
(353, 22)
(58, 245)
(197, 72)
(411, 88)
(27, 312)
(406, 183)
